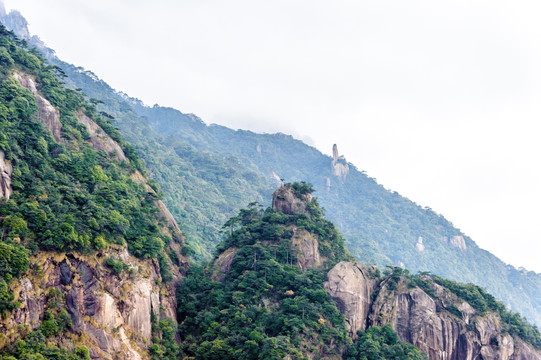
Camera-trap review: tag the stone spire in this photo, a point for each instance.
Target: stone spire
(339, 166)
(335, 152)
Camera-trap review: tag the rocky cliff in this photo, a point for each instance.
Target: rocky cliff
(351, 285)
(441, 324)
(47, 114)
(90, 291)
(110, 313)
(5, 176)
(100, 140)
(287, 201)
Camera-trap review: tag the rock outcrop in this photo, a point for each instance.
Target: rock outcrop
(100, 140)
(420, 319)
(50, 117)
(47, 113)
(113, 313)
(5, 176)
(285, 200)
(306, 246)
(15, 22)
(339, 166)
(223, 264)
(458, 242)
(274, 176)
(351, 285)
(419, 246)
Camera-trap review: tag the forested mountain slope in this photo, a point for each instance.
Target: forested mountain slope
(89, 255)
(282, 286)
(380, 226)
(207, 173)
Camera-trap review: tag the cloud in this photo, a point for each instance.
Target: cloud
(438, 100)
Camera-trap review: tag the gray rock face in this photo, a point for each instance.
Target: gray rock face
(100, 140)
(524, 351)
(458, 242)
(47, 114)
(5, 176)
(223, 264)
(286, 201)
(306, 246)
(420, 319)
(50, 117)
(339, 166)
(104, 307)
(15, 22)
(351, 286)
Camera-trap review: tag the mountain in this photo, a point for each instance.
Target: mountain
(283, 286)
(208, 173)
(94, 266)
(90, 257)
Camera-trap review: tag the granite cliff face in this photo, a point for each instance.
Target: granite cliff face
(420, 319)
(111, 314)
(100, 140)
(5, 176)
(306, 246)
(285, 200)
(108, 299)
(47, 114)
(351, 285)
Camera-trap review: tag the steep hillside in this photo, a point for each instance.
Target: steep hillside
(262, 297)
(380, 226)
(282, 285)
(201, 188)
(207, 173)
(89, 255)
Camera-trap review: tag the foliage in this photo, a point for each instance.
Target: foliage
(382, 343)
(117, 266)
(36, 345)
(266, 308)
(301, 188)
(163, 337)
(201, 189)
(482, 301)
(67, 196)
(209, 172)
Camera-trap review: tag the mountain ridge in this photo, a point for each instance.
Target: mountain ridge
(251, 157)
(255, 293)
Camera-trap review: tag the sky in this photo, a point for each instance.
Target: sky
(438, 100)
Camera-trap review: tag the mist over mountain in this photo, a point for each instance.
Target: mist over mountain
(89, 248)
(209, 172)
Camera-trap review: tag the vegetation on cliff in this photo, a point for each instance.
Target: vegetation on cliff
(477, 297)
(265, 307)
(67, 195)
(208, 173)
(382, 343)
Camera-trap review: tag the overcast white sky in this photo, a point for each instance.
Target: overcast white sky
(438, 100)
